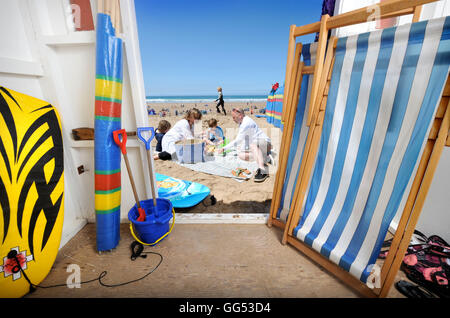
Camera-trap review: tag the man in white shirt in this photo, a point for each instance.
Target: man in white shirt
(257, 144)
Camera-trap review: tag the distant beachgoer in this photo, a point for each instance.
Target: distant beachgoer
(182, 130)
(163, 128)
(257, 145)
(214, 134)
(221, 102)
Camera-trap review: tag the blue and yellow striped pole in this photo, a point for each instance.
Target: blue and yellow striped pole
(108, 104)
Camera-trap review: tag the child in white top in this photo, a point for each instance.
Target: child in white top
(182, 130)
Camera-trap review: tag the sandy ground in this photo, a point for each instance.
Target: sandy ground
(232, 196)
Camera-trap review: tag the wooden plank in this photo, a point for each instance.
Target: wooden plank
(318, 67)
(334, 269)
(278, 223)
(289, 66)
(442, 107)
(398, 13)
(446, 92)
(435, 129)
(309, 69)
(323, 105)
(320, 118)
(418, 202)
(315, 27)
(324, 85)
(307, 29)
(330, 73)
(327, 89)
(416, 14)
(293, 81)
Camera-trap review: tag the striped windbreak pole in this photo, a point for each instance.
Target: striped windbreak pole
(108, 104)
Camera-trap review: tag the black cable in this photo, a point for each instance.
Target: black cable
(33, 287)
(103, 274)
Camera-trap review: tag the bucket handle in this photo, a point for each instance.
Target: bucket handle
(158, 240)
(146, 141)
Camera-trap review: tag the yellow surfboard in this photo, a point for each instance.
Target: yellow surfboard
(31, 191)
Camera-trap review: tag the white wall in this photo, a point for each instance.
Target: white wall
(435, 216)
(43, 57)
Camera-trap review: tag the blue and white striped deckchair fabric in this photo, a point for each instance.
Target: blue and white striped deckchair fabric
(299, 135)
(384, 92)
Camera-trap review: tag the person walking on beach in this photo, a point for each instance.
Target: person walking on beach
(257, 145)
(221, 102)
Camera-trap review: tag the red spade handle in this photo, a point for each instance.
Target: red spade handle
(121, 143)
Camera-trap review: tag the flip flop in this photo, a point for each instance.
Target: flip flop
(413, 291)
(241, 173)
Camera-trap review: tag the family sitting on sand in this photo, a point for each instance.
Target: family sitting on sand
(254, 144)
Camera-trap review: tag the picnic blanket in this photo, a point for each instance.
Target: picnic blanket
(223, 165)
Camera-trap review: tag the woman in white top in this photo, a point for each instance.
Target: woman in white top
(257, 145)
(182, 130)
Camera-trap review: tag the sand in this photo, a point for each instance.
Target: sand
(231, 196)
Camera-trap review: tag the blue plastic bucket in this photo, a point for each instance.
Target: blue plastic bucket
(156, 224)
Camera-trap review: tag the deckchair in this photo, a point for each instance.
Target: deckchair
(383, 110)
(315, 120)
(295, 137)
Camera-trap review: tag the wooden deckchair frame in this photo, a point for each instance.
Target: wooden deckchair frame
(296, 69)
(438, 138)
(291, 105)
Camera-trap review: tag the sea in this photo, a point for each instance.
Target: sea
(205, 98)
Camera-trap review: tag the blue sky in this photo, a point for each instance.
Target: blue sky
(192, 47)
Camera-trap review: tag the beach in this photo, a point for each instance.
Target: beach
(232, 196)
